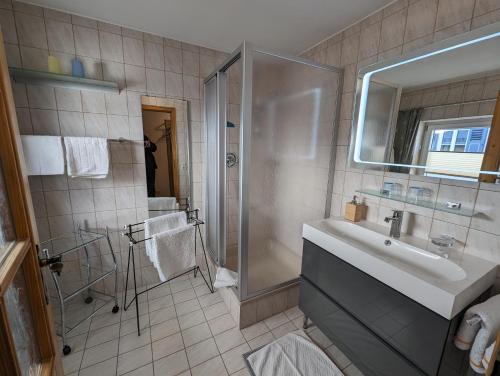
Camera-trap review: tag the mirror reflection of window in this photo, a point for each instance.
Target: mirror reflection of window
(452, 143)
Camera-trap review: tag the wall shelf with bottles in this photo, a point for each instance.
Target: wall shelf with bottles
(440, 206)
(34, 77)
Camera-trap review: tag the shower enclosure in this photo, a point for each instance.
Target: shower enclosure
(274, 118)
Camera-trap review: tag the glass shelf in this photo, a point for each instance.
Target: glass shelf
(465, 212)
(34, 77)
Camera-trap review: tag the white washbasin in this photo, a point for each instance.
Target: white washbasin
(408, 265)
(396, 251)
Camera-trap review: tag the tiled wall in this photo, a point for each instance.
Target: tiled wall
(141, 64)
(450, 100)
(400, 27)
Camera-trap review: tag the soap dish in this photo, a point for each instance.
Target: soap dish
(444, 241)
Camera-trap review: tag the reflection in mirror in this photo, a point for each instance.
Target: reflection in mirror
(433, 114)
(166, 153)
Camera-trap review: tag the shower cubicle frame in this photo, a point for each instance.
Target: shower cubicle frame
(245, 52)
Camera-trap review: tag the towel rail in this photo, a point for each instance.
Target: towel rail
(193, 218)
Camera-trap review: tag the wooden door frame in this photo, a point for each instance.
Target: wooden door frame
(24, 252)
(491, 159)
(173, 134)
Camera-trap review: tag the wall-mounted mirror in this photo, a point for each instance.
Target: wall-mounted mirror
(435, 112)
(166, 154)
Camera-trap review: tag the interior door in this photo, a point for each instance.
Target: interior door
(27, 339)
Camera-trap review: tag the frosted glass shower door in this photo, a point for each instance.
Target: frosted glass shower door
(288, 116)
(215, 166)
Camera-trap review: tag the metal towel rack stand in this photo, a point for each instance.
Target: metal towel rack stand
(130, 231)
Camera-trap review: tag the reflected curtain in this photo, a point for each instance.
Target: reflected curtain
(404, 138)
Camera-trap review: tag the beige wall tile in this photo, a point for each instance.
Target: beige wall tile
(451, 12)
(392, 32)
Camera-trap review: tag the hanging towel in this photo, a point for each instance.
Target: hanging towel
(488, 354)
(478, 331)
(87, 157)
(156, 225)
(43, 155)
(225, 278)
(175, 251)
(161, 205)
(292, 354)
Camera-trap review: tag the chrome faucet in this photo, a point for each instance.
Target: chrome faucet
(396, 220)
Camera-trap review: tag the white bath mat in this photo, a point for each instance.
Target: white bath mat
(292, 354)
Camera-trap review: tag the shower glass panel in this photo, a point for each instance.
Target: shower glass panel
(213, 202)
(233, 115)
(288, 117)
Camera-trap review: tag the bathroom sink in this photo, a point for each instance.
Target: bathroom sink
(396, 251)
(415, 267)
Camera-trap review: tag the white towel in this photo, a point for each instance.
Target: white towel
(87, 157)
(478, 330)
(43, 155)
(488, 353)
(175, 251)
(292, 354)
(156, 225)
(161, 205)
(225, 278)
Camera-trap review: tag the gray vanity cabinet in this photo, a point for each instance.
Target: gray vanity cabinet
(383, 332)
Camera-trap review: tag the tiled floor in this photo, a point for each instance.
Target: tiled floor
(185, 331)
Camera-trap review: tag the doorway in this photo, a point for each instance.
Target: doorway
(160, 145)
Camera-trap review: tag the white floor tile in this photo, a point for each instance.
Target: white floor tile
(229, 339)
(108, 333)
(191, 319)
(187, 307)
(146, 370)
(221, 324)
(276, 320)
(254, 331)
(233, 359)
(167, 346)
(134, 359)
(99, 353)
(106, 368)
(261, 340)
(201, 352)
(164, 329)
(132, 341)
(172, 365)
(72, 361)
(196, 334)
(215, 310)
(212, 367)
(161, 315)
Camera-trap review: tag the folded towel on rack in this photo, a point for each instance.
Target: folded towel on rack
(43, 155)
(156, 225)
(175, 251)
(478, 331)
(87, 157)
(161, 205)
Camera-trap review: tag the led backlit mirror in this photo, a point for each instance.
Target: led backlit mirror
(432, 113)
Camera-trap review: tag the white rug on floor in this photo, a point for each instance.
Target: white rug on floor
(292, 354)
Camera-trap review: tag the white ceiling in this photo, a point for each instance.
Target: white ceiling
(284, 25)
